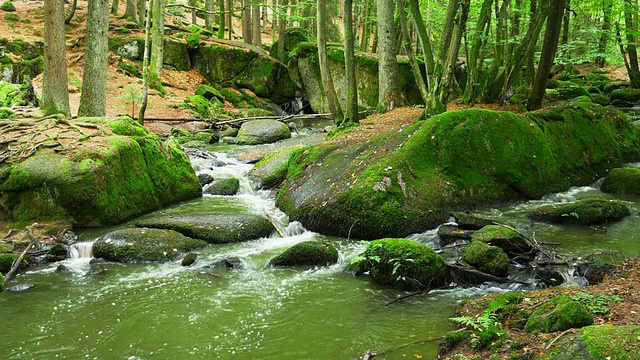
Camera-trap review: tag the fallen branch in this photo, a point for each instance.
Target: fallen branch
(280, 232)
(480, 273)
(16, 265)
(419, 341)
(281, 118)
(557, 337)
(411, 294)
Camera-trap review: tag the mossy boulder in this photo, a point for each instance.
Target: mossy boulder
(622, 181)
(262, 132)
(312, 253)
(504, 237)
(115, 172)
(7, 260)
(410, 179)
(486, 258)
(629, 95)
(226, 187)
(214, 229)
(587, 212)
(558, 314)
(208, 92)
(189, 259)
(207, 137)
(471, 221)
(401, 263)
(271, 171)
(144, 245)
(176, 55)
(127, 47)
(597, 342)
(451, 233)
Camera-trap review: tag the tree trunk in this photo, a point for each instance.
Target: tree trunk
(366, 27)
(351, 114)
(549, 47)
(55, 88)
(67, 21)
(607, 6)
(389, 93)
(208, 17)
(282, 28)
(131, 12)
(415, 68)
(325, 74)
(246, 22)
(256, 28)
(475, 59)
(565, 23)
(194, 13)
(145, 65)
(93, 100)
(157, 46)
(423, 35)
(631, 29)
(114, 8)
(221, 22)
(230, 18)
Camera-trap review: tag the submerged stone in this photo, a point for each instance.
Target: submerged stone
(587, 212)
(144, 245)
(189, 259)
(214, 229)
(307, 253)
(229, 263)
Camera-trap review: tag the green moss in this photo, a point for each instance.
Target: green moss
(130, 69)
(193, 40)
(7, 261)
(126, 126)
(587, 212)
(342, 129)
(208, 92)
(199, 106)
(272, 169)
(487, 258)
(228, 186)
(504, 237)
(207, 137)
(558, 314)
(402, 263)
(11, 17)
(612, 341)
(451, 339)
(314, 253)
(8, 6)
(5, 60)
(144, 245)
(122, 31)
(622, 181)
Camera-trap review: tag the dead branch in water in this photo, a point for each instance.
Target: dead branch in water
(480, 273)
(16, 265)
(280, 232)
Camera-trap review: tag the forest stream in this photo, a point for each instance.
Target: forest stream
(167, 311)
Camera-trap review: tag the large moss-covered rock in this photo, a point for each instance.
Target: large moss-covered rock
(176, 55)
(307, 253)
(622, 181)
(486, 258)
(401, 263)
(588, 212)
(7, 260)
(144, 245)
(214, 229)
(629, 95)
(408, 180)
(504, 237)
(272, 170)
(558, 314)
(597, 342)
(115, 171)
(237, 65)
(262, 132)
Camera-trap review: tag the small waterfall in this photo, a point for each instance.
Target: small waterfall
(81, 250)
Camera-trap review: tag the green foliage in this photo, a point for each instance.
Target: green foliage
(487, 329)
(129, 69)
(344, 128)
(11, 17)
(7, 6)
(8, 260)
(559, 313)
(597, 303)
(132, 96)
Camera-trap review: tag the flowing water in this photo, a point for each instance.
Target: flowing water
(166, 311)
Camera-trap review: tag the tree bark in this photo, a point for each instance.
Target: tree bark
(389, 93)
(351, 114)
(221, 22)
(55, 88)
(549, 47)
(157, 46)
(282, 28)
(93, 100)
(230, 18)
(256, 28)
(423, 35)
(208, 17)
(114, 8)
(246, 22)
(415, 68)
(631, 29)
(194, 13)
(366, 27)
(145, 66)
(74, 6)
(607, 6)
(131, 12)
(325, 74)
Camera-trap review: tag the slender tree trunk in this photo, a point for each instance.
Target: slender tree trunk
(230, 18)
(366, 27)
(565, 23)
(246, 22)
(282, 28)
(157, 46)
(415, 68)
(423, 35)
(256, 28)
(631, 30)
(114, 8)
(389, 93)
(74, 6)
(221, 22)
(325, 74)
(607, 6)
(194, 13)
(350, 63)
(549, 47)
(143, 11)
(55, 88)
(93, 100)
(145, 65)
(208, 17)
(475, 60)
(131, 12)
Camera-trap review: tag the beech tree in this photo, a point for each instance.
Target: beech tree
(350, 63)
(327, 82)
(93, 100)
(157, 45)
(389, 93)
(55, 88)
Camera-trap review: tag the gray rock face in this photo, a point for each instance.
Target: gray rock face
(214, 229)
(143, 245)
(262, 132)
